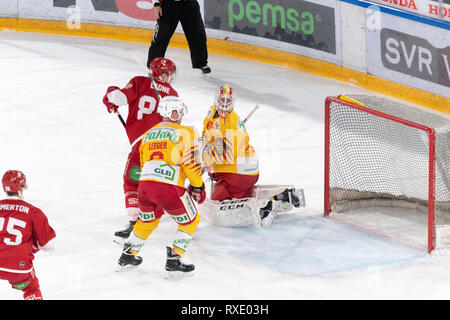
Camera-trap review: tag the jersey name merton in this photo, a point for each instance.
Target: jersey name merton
(14, 207)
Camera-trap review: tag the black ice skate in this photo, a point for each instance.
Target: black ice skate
(121, 235)
(175, 266)
(267, 214)
(129, 258)
(293, 196)
(126, 232)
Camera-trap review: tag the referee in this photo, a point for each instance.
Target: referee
(168, 13)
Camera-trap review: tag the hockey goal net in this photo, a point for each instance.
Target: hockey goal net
(379, 153)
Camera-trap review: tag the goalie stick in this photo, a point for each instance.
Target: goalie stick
(256, 107)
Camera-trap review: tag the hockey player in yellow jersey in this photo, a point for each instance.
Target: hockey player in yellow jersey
(232, 163)
(169, 156)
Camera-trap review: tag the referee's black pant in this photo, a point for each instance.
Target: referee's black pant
(187, 12)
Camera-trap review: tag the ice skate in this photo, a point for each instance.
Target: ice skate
(268, 214)
(175, 268)
(293, 196)
(129, 259)
(121, 235)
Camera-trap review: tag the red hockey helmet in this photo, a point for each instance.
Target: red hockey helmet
(160, 65)
(13, 181)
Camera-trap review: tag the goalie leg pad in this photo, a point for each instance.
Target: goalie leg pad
(232, 213)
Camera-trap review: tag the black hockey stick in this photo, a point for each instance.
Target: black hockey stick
(149, 73)
(120, 118)
(154, 86)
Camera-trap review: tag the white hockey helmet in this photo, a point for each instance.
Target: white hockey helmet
(224, 100)
(168, 105)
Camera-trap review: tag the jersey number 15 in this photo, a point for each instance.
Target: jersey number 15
(11, 229)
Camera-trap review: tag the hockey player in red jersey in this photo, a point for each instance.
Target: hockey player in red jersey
(24, 230)
(142, 95)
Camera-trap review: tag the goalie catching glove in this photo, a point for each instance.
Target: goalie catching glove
(111, 107)
(198, 193)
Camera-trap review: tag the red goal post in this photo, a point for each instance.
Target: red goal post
(380, 153)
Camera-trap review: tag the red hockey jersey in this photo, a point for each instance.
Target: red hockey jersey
(24, 229)
(142, 105)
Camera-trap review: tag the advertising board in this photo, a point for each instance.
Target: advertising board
(304, 27)
(411, 53)
(438, 9)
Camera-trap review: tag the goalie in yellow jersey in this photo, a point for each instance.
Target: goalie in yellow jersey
(169, 156)
(232, 164)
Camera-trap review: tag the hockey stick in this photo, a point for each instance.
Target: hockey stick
(120, 118)
(256, 107)
(154, 86)
(149, 73)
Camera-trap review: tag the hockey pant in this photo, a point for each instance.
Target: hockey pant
(232, 185)
(131, 181)
(154, 199)
(27, 282)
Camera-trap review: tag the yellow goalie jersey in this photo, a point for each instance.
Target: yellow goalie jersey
(227, 147)
(169, 154)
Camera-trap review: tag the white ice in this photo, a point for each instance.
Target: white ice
(55, 129)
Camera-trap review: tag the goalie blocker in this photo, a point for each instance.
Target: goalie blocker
(259, 210)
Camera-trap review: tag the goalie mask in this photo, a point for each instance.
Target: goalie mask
(160, 66)
(224, 100)
(172, 108)
(13, 181)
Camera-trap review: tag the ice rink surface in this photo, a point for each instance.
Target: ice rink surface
(54, 127)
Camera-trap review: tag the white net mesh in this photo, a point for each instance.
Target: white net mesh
(375, 161)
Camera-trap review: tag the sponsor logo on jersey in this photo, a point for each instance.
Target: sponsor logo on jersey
(135, 173)
(167, 171)
(161, 171)
(167, 133)
(21, 286)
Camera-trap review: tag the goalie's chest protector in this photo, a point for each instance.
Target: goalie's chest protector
(238, 156)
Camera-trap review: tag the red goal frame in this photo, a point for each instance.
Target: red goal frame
(431, 160)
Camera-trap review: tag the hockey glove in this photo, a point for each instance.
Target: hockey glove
(111, 107)
(218, 146)
(198, 193)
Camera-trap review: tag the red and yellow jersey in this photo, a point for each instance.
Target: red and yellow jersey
(169, 154)
(227, 145)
